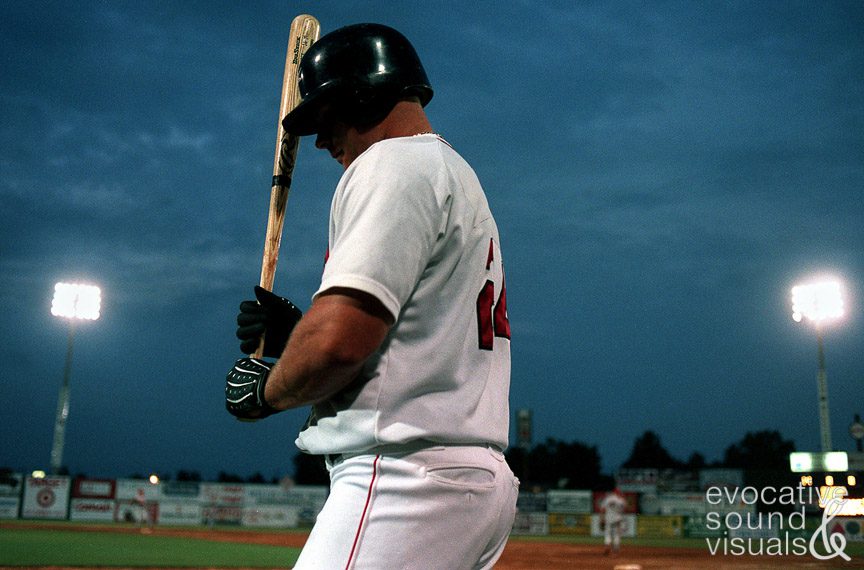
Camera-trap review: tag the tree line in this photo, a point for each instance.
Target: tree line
(761, 455)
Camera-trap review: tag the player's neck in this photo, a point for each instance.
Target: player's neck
(406, 119)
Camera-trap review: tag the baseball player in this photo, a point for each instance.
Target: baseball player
(404, 354)
(612, 506)
(142, 513)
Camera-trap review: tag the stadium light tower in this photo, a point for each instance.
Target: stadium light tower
(820, 302)
(72, 301)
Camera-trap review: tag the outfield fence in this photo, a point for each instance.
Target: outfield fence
(166, 503)
(672, 515)
(651, 515)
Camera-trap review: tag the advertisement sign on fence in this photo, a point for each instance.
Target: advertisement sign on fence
(277, 516)
(638, 480)
(265, 495)
(659, 526)
(225, 495)
(569, 502)
(180, 512)
(187, 489)
(531, 524)
(46, 498)
(566, 523)
(685, 504)
(134, 489)
(222, 515)
(529, 502)
(101, 510)
(9, 507)
(93, 489)
(721, 478)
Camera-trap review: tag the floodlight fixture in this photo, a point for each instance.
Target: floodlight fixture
(818, 301)
(76, 301)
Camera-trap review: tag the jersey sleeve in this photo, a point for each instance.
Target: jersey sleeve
(386, 217)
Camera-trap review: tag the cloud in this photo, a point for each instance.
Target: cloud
(177, 139)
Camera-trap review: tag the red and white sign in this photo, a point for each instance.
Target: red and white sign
(101, 510)
(46, 498)
(93, 489)
(225, 495)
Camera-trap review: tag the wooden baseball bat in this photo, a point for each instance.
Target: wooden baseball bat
(305, 30)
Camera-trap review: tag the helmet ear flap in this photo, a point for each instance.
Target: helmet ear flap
(363, 97)
(364, 105)
(373, 105)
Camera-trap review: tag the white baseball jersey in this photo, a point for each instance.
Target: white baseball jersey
(613, 506)
(410, 224)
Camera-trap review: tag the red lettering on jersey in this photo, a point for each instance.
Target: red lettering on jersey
(492, 318)
(502, 319)
(485, 324)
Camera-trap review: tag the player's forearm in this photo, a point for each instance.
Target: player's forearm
(308, 373)
(325, 352)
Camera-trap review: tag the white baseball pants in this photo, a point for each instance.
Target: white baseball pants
(446, 508)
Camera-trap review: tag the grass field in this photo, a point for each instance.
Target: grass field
(27, 546)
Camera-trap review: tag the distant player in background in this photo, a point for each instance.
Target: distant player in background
(404, 354)
(142, 514)
(612, 507)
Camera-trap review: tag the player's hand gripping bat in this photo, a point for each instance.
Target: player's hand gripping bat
(304, 32)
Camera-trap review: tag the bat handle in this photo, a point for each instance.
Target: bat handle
(259, 352)
(275, 221)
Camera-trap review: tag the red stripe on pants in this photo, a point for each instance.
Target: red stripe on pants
(365, 509)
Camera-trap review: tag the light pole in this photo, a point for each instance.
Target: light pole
(71, 301)
(819, 302)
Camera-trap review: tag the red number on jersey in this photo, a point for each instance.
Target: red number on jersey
(492, 319)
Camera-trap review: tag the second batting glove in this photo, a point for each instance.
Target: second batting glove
(273, 316)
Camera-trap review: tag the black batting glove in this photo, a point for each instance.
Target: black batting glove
(244, 389)
(273, 316)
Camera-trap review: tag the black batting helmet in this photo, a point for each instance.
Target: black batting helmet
(361, 70)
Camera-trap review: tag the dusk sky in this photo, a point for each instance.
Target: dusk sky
(662, 174)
